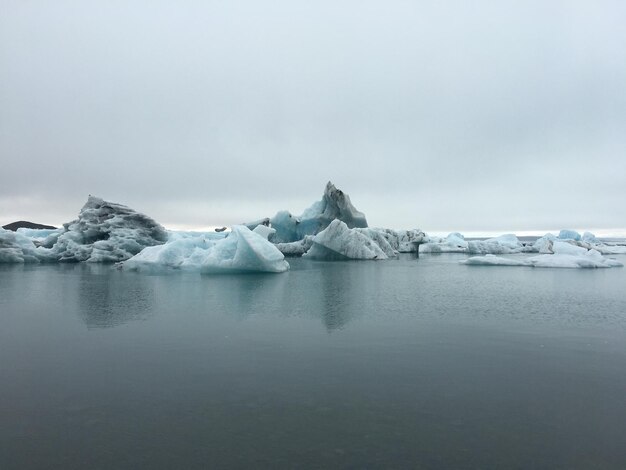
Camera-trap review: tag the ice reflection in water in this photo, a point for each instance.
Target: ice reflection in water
(350, 365)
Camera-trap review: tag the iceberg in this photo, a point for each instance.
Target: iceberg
(453, 243)
(17, 248)
(566, 256)
(335, 204)
(104, 232)
(243, 250)
(339, 242)
(38, 234)
(569, 235)
(588, 241)
(403, 241)
(504, 244)
(297, 248)
(589, 237)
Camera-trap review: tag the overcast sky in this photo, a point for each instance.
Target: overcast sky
(469, 116)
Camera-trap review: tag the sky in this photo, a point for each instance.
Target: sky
(463, 116)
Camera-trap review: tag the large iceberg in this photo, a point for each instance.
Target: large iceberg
(103, 232)
(335, 204)
(339, 242)
(241, 251)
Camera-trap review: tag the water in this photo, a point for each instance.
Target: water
(413, 363)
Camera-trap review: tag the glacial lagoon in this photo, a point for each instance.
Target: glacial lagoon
(404, 363)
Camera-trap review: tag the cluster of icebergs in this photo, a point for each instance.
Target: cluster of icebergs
(564, 255)
(568, 249)
(331, 229)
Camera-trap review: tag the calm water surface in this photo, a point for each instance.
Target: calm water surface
(412, 363)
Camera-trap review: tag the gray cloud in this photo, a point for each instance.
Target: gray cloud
(450, 115)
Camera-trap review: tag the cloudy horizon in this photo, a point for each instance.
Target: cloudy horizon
(448, 117)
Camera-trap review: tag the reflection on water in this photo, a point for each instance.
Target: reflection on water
(399, 364)
(108, 298)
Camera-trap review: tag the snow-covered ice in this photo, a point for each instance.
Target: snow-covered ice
(242, 250)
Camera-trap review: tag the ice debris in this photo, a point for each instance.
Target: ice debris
(242, 250)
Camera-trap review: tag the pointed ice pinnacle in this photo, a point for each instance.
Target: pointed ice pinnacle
(335, 204)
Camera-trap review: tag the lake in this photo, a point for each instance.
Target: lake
(409, 363)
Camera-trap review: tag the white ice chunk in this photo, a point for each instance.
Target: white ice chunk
(297, 248)
(564, 248)
(544, 244)
(589, 259)
(16, 248)
(503, 244)
(37, 233)
(453, 243)
(265, 231)
(338, 242)
(493, 260)
(403, 241)
(241, 251)
(590, 238)
(569, 235)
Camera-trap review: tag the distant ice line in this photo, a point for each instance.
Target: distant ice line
(331, 229)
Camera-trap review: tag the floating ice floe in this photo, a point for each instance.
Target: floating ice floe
(504, 244)
(241, 251)
(339, 242)
(565, 255)
(587, 241)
